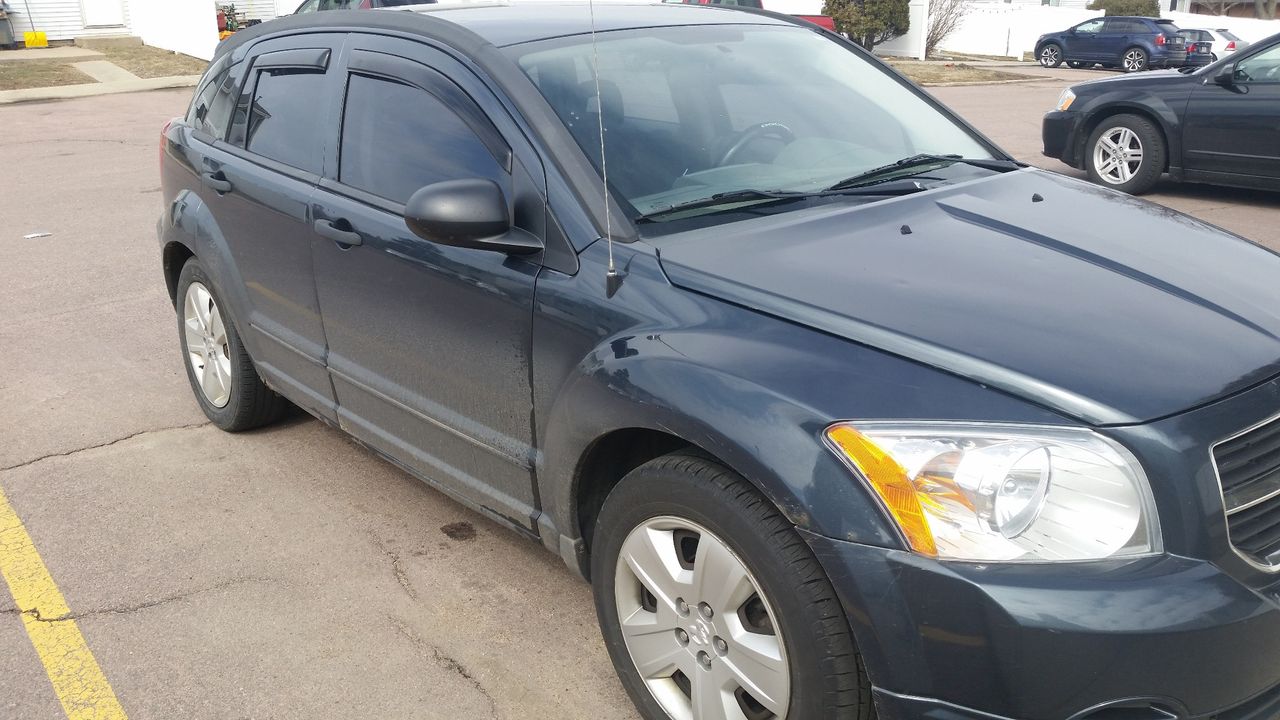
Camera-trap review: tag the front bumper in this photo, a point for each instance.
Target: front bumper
(1060, 132)
(965, 641)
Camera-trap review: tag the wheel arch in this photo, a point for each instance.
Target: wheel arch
(173, 257)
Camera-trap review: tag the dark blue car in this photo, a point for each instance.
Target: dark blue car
(841, 419)
(1128, 43)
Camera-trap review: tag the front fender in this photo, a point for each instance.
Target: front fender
(753, 390)
(1157, 106)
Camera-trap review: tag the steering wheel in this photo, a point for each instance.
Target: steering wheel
(751, 134)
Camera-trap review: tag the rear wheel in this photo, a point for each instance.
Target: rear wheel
(222, 375)
(1050, 55)
(1126, 152)
(1134, 60)
(712, 606)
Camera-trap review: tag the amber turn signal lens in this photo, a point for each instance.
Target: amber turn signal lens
(889, 480)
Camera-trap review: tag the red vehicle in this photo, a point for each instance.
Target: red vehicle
(820, 20)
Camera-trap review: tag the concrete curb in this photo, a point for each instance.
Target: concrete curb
(65, 92)
(986, 82)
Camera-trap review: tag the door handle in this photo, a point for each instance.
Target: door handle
(217, 181)
(330, 229)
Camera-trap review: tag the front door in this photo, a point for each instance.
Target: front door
(1082, 42)
(102, 13)
(1236, 129)
(429, 345)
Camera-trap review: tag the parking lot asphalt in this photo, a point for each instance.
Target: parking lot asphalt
(286, 572)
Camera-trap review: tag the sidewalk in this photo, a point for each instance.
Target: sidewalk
(108, 77)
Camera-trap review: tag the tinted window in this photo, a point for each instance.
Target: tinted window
(211, 110)
(281, 121)
(397, 138)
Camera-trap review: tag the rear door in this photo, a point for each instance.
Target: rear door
(258, 182)
(1116, 36)
(429, 345)
(1237, 129)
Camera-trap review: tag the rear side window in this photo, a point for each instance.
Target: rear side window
(397, 138)
(281, 121)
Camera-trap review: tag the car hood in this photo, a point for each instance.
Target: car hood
(1150, 78)
(1106, 308)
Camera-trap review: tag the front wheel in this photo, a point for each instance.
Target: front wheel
(1126, 152)
(1050, 56)
(1134, 60)
(712, 606)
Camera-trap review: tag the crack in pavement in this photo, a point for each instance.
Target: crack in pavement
(397, 567)
(108, 443)
(128, 609)
(445, 661)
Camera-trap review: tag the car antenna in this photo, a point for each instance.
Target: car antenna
(613, 278)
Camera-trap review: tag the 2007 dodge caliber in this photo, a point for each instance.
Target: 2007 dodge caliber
(843, 412)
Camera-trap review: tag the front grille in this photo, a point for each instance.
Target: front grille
(1249, 470)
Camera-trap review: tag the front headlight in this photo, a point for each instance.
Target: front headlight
(1000, 493)
(1065, 99)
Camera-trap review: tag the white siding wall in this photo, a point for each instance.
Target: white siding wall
(186, 26)
(259, 9)
(61, 19)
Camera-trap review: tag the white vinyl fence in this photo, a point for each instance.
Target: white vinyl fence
(1009, 29)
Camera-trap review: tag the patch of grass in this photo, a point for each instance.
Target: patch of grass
(23, 74)
(937, 73)
(149, 62)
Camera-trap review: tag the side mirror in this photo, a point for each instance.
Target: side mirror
(469, 214)
(1225, 76)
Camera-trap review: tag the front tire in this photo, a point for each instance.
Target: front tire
(222, 376)
(1134, 60)
(1127, 153)
(712, 606)
(1050, 55)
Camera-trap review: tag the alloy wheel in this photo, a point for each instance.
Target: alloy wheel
(208, 350)
(1134, 60)
(1117, 155)
(1050, 56)
(698, 627)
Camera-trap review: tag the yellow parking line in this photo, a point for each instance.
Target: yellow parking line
(79, 683)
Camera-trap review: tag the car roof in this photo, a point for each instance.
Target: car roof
(503, 24)
(510, 24)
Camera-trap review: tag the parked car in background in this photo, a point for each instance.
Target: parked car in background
(841, 420)
(1128, 43)
(820, 20)
(1199, 46)
(1219, 124)
(1225, 43)
(317, 5)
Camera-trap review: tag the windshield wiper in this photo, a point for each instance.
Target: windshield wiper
(888, 187)
(725, 198)
(894, 170)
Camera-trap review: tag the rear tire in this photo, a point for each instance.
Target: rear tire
(683, 517)
(1134, 60)
(1050, 55)
(1126, 153)
(222, 376)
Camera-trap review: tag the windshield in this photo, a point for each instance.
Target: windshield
(697, 111)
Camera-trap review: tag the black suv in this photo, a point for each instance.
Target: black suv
(1128, 43)
(839, 419)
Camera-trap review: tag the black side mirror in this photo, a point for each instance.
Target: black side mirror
(1225, 76)
(467, 213)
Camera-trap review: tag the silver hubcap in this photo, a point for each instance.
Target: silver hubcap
(207, 348)
(1134, 60)
(1117, 155)
(1049, 56)
(697, 626)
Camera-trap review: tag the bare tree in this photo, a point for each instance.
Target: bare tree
(1266, 9)
(944, 17)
